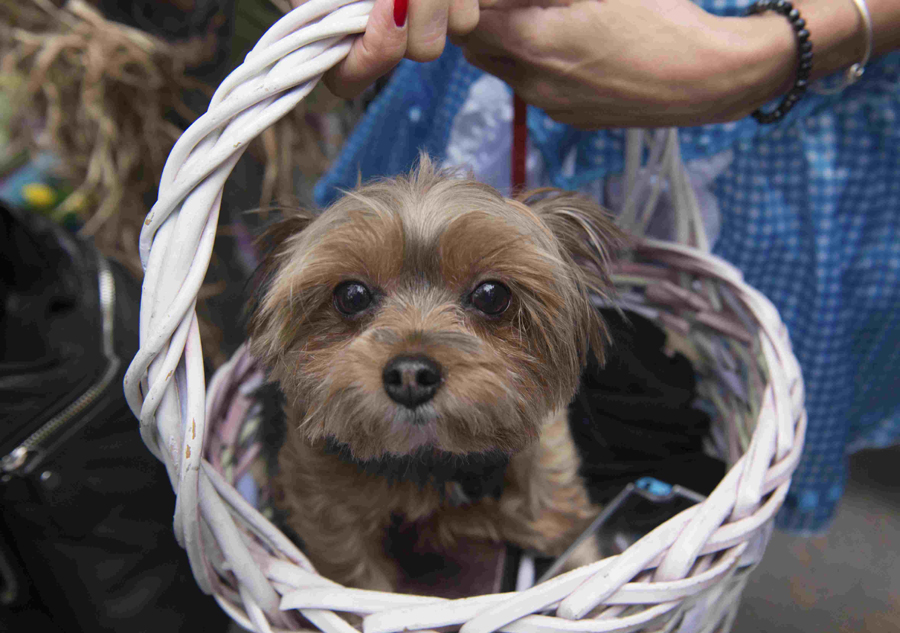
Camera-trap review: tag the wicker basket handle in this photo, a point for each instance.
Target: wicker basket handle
(165, 385)
(664, 164)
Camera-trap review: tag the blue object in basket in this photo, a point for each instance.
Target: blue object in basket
(654, 487)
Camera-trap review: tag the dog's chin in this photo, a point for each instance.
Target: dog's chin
(413, 430)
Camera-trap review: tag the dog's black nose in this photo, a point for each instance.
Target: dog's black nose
(411, 380)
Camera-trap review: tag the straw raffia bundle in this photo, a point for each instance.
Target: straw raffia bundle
(108, 102)
(99, 96)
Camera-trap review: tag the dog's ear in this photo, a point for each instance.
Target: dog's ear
(271, 248)
(589, 241)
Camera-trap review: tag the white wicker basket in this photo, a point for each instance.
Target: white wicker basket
(686, 575)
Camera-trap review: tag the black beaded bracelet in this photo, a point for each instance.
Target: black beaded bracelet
(804, 57)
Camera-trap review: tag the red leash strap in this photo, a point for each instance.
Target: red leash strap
(519, 145)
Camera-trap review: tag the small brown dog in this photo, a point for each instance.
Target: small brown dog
(428, 335)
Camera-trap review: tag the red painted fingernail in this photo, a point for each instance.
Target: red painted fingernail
(400, 8)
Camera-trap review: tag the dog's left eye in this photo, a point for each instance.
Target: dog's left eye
(491, 297)
(352, 297)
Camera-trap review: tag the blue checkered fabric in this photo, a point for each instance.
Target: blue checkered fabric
(810, 213)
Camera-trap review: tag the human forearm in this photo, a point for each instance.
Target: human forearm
(619, 63)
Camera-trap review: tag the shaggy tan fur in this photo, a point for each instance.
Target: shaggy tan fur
(422, 244)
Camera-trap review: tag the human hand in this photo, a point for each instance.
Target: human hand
(633, 63)
(416, 29)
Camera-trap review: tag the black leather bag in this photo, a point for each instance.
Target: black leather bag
(86, 542)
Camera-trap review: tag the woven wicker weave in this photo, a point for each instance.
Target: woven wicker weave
(686, 575)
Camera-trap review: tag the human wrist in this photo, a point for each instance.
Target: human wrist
(764, 57)
(757, 63)
(837, 33)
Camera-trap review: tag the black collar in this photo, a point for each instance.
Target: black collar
(477, 474)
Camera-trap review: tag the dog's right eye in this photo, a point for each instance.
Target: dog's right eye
(352, 297)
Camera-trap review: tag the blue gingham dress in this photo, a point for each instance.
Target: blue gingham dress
(810, 212)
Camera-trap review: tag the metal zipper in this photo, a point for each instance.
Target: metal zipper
(19, 456)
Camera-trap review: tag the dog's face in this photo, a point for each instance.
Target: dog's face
(430, 313)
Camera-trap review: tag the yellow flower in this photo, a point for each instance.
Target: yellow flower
(39, 195)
